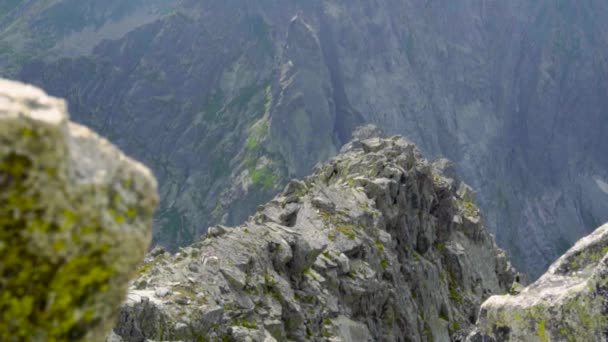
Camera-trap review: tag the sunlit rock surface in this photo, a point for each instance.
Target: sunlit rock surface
(568, 303)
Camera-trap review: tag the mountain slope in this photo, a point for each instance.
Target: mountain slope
(376, 245)
(48, 29)
(229, 100)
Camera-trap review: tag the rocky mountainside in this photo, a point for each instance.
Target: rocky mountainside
(376, 245)
(75, 221)
(227, 100)
(568, 303)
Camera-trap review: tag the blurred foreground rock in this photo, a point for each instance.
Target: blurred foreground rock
(568, 303)
(75, 221)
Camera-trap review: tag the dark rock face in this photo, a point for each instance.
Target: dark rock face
(377, 245)
(228, 100)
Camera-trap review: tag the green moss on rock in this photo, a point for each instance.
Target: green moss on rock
(566, 304)
(71, 233)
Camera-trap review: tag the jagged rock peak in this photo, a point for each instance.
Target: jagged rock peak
(367, 132)
(376, 245)
(75, 221)
(568, 303)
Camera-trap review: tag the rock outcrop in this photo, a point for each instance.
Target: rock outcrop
(75, 221)
(568, 303)
(377, 245)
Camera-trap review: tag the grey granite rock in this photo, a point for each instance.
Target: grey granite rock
(373, 253)
(568, 303)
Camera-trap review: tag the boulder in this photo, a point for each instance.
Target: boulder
(568, 303)
(75, 221)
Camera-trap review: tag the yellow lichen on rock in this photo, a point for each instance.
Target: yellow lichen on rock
(75, 220)
(568, 303)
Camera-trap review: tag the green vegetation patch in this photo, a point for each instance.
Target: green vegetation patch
(542, 334)
(341, 226)
(347, 231)
(380, 245)
(263, 177)
(470, 209)
(259, 131)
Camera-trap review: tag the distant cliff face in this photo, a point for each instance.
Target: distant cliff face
(227, 100)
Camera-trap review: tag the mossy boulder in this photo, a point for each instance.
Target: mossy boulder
(75, 221)
(568, 303)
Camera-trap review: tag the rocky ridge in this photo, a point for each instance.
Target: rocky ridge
(377, 245)
(75, 221)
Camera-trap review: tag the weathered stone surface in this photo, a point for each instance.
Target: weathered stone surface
(372, 252)
(75, 220)
(568, 303)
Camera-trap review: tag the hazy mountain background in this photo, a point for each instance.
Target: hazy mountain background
(226, 100)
